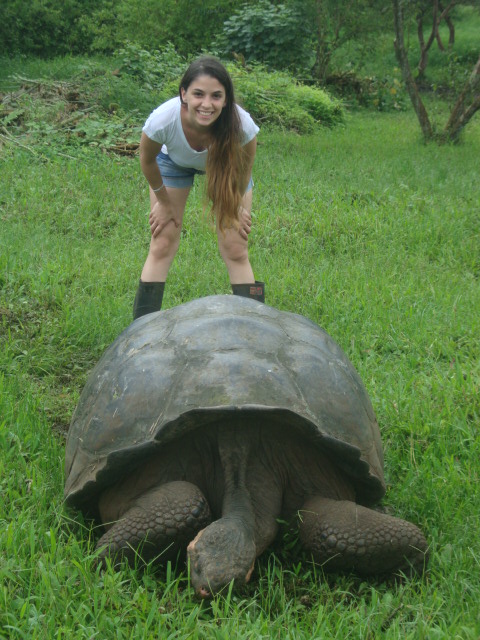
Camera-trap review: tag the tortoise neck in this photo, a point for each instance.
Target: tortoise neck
(234, 449)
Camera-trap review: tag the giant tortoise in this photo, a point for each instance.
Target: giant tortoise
(204, 425)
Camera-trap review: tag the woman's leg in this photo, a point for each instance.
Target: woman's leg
(164, 246)
(234, 250)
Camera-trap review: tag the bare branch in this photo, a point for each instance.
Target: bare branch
(462, 112)
(444, 16)
(451, 32)
(402, 58)
(439, 13)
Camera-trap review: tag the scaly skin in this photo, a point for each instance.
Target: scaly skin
(226, 549)
(161, 522)
(344, 535)
(249, 478)
(222, 552)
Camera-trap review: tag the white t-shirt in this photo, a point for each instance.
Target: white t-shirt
(164, 126)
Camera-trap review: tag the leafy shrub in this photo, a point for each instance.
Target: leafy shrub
(155, 69)
(273, 34)
(387, 94)
(277, 99)
(322, 108)
(44, 27)
(101, 29)
(190, 26)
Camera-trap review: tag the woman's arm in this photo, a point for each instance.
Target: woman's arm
(149, 149)
(244, 214)
(250, 150)
(161, 212)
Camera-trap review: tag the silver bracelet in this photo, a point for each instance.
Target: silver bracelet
(159, 189)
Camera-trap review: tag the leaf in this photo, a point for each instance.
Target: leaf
(12, 116)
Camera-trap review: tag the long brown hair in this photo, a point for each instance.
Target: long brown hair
(226, 159)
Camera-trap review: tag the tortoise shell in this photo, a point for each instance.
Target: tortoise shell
(192, 365)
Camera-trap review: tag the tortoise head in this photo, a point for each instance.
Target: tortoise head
(222, 552)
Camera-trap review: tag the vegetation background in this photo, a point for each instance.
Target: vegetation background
(358, 225)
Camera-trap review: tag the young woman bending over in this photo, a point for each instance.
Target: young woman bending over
(201, 131)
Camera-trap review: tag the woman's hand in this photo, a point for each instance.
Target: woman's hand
(161, 215)
(244, 222)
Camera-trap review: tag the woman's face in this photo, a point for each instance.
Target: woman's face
(204, 100)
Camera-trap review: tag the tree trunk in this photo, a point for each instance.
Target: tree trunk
(325, 46)
(468, 102)
(319, 69)
(444, 16)
(448, 20)
(436, 24)
(424, 47)
(435, 34)
(467, 105)
(451, 32)
(402, 58)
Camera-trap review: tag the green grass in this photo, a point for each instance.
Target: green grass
(362, 229)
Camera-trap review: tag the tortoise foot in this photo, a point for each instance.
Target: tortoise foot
(344, 535)
(159, 524)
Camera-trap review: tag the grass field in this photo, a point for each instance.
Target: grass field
(362, 229)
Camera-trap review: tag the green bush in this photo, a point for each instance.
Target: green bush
(190, 26)
(322, 108)
(277, 99)
(45, 27)
(153, 70)
(273, 34)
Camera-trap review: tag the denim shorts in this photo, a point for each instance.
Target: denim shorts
(180, 177)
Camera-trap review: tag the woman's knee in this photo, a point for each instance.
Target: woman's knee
(233, 250)
(165, 245)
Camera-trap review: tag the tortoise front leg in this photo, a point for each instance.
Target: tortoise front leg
(344, 535)
(160, 522)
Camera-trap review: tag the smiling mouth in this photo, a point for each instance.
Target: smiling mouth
(205, 113)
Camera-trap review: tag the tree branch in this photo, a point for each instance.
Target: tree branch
(448, 20)
(444, 16)
(402, 58)
(461, 112)
(451, 32)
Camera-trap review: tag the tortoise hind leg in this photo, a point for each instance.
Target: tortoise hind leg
(160, 522)
(344, 535)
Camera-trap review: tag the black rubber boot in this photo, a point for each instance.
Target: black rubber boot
(255, 291)
(148, 299)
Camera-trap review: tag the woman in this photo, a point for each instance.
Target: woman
(202, 130)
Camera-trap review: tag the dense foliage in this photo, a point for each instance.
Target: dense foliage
(274, 34)
(48, 27)
(338, 44)
(274, 98)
